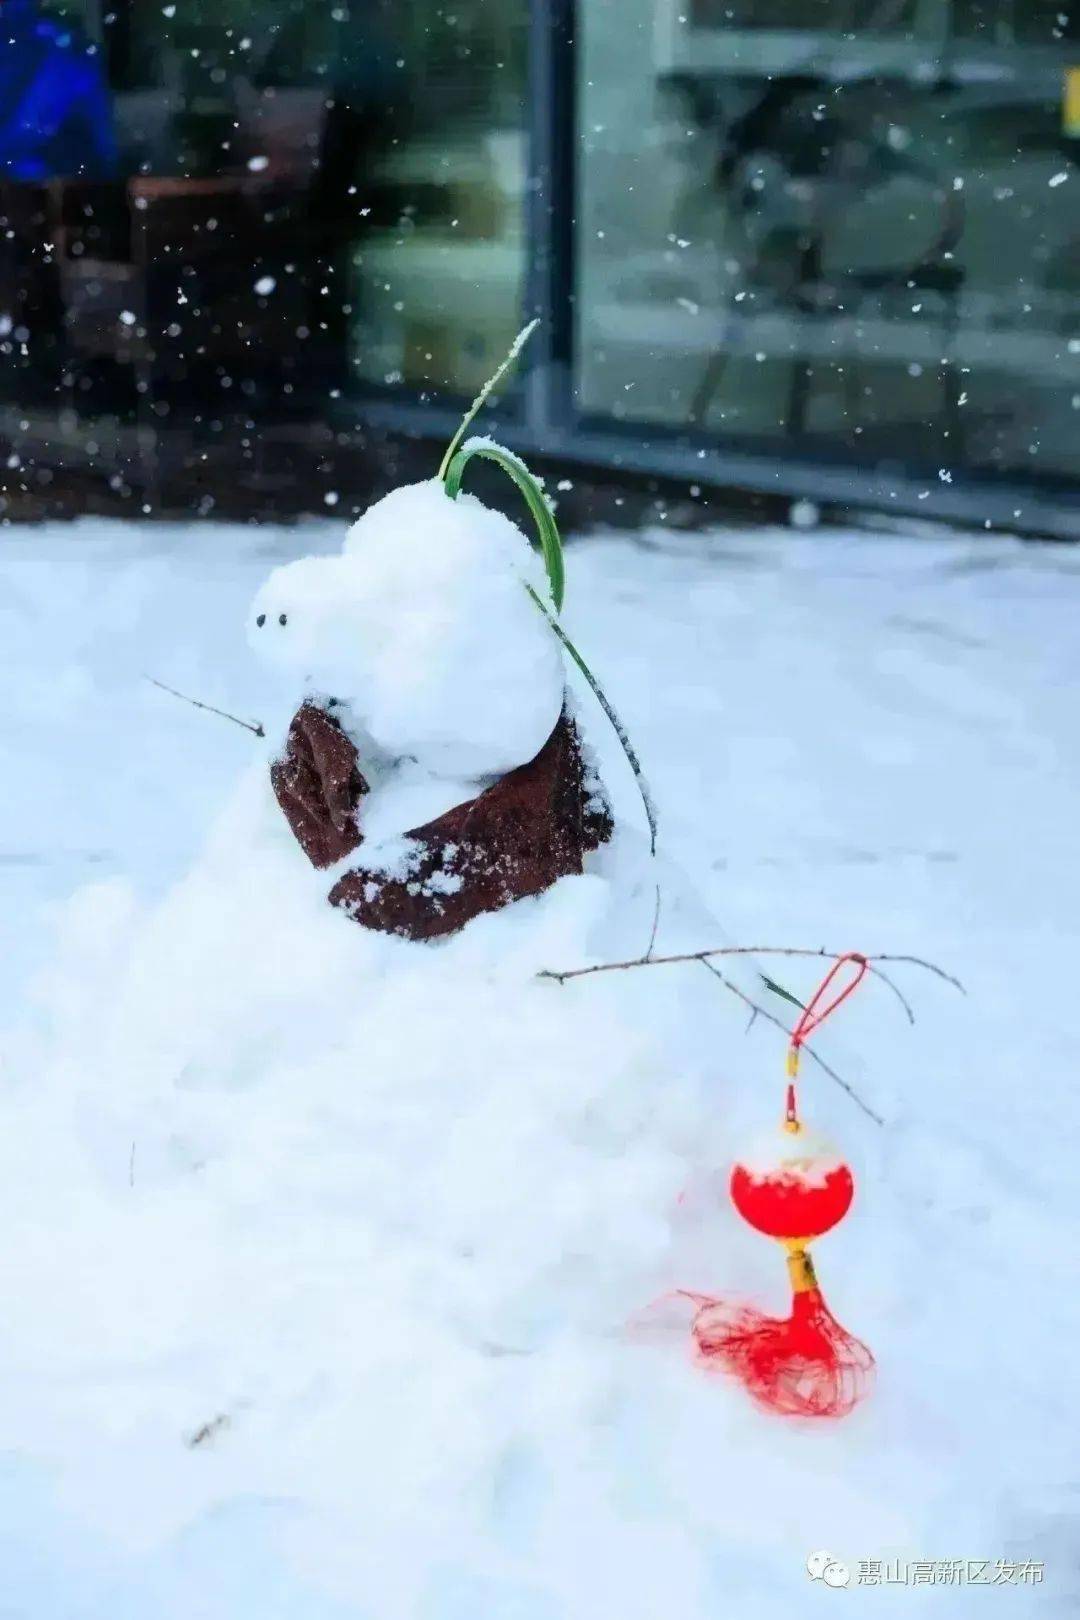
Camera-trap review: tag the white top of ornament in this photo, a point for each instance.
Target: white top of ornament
(803, 1155)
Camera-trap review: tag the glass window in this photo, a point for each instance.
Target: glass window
(840, 228)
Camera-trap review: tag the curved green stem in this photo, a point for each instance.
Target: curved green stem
(546, 528)
(452, 471)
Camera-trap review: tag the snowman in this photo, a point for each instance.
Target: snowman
(434, 757)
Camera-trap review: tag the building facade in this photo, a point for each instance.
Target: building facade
(822, 249)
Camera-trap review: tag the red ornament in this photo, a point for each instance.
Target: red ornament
(793, 1188)
(804, 1193)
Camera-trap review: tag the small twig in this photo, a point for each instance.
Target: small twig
(655, 926)
(257, 729)
(762, 1012)
(873, 968)
(872, 961)
(208, 1431)
(918, 961)
(706, 959)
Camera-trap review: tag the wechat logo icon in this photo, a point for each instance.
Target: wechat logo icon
(822, 1566)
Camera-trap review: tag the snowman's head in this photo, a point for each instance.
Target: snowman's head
(422, 628)
(307, 622)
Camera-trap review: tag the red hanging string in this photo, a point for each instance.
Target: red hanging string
(813, 1014)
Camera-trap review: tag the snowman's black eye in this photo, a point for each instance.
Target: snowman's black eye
(261, 620)
(283, 618)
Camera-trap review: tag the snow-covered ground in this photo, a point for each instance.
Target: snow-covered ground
(854, 741)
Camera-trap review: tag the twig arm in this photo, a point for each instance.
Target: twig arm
(256, 729)
(562, 974)
(707, 961)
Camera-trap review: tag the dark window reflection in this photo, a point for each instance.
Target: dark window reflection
(257, 203)
(438, 280)
(404, 129)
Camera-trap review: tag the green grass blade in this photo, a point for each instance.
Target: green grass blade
(616, 724)
(778, 990)
(478, 403)
(515, 468)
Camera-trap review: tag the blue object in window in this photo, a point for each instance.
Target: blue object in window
(55, 112)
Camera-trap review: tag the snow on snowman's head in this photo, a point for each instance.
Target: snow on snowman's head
(416, 547)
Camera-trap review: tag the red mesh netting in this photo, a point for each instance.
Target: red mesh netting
(802, 1365)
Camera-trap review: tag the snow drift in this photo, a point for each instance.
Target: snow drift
(336, 1271)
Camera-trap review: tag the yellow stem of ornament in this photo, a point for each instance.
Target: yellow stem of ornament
(800, 1266)
(791, 1122)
